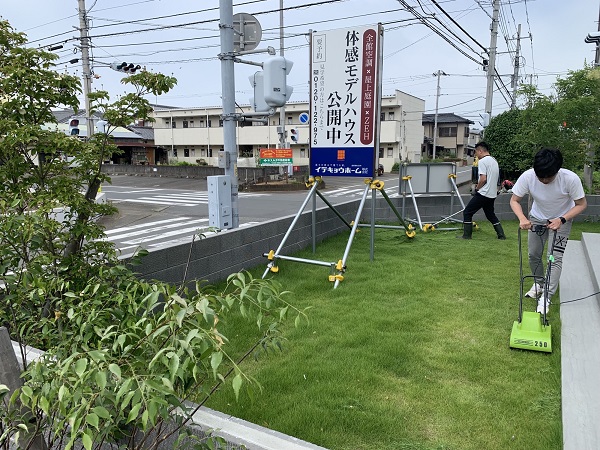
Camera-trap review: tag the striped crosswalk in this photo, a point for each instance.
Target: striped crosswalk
(179, 199)
(159, 234)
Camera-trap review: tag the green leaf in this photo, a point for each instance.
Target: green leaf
(237, 384)
(86, 440)
(62, 390)
(215, 361)
(92, 419)
(100, 379)
(133, 414)
(101, 411)
(116, 370)
(174, 365)
(80, 366)
(180, 316)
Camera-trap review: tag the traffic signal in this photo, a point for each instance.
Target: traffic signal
(125, 67)
(74, 127)
(258, 100)
(275, 70)
(294, 134)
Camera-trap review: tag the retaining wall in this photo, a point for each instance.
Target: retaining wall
(219, 255)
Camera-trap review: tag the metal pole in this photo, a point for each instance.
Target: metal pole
(515, 80)
(228, 97)
(85, 63)
(489, 93)
(281, 53)
(439, 73)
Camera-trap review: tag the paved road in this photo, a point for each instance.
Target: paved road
(161, 212)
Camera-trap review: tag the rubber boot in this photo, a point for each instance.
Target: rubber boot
(467, 231)
(499, 231)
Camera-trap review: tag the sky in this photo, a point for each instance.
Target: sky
(181, 38)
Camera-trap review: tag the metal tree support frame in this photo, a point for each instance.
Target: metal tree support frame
(337, 269)
(430, 179)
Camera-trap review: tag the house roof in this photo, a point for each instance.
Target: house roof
(445, 118)
(146, 133)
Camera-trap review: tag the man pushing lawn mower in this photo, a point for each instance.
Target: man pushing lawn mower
(558, 197)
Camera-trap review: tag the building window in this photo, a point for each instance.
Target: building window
(466, 131)
(382, 116)
(202, 124)
(173, 124)
(209, 123)
(289, 120)
(302, 153)
(202, 152)
(220, 122)
(191, 123)
(447, 132)
(246, 151)
(174, 153)
(168, 123)
(381, 152)
(185, 124)
(390, 152)
(391, 115)
(186, 152)
(193, 152)
(210, 152)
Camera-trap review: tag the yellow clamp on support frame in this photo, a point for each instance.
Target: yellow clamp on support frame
(341, 269)
(313, 180)
(407, 177)
(272, 266)
(451, 175)
(475, 226)
(428, 227)
(377, 184)
(410, 232)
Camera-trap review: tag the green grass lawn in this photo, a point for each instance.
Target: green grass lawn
(410, 352)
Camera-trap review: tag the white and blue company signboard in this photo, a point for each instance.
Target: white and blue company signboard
(344, 107)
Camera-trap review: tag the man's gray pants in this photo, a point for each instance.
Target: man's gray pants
(536, 243)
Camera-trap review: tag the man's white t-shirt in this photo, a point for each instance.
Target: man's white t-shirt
(550, 200)
(489, 167)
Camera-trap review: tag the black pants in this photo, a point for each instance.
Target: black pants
(478, 202)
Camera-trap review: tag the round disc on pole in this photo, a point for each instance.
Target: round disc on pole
(247, 32)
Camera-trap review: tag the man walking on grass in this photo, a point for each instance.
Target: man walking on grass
(485, 193)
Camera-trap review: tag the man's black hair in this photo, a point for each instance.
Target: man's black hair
(547, 162)
(484, 145)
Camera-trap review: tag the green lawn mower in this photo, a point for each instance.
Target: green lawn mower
(532, 331)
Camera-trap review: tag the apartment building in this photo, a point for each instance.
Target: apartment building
(195, 135)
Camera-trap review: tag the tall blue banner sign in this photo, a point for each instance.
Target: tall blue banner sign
(344, 106)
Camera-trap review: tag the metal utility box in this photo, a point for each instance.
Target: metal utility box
(219, 201)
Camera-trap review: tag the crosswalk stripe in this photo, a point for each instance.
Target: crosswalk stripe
(145, 225)
(155, 202)
(174, 200)
(157, 228)
(164, 235)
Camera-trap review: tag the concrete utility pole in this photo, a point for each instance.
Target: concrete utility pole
(588, 168)
(228, 96)
(85, 63)
(491, 75)
(438, 74)
(515, 79)
(282, 141)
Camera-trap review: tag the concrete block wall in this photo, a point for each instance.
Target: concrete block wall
(219, 255)
(216, 257)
